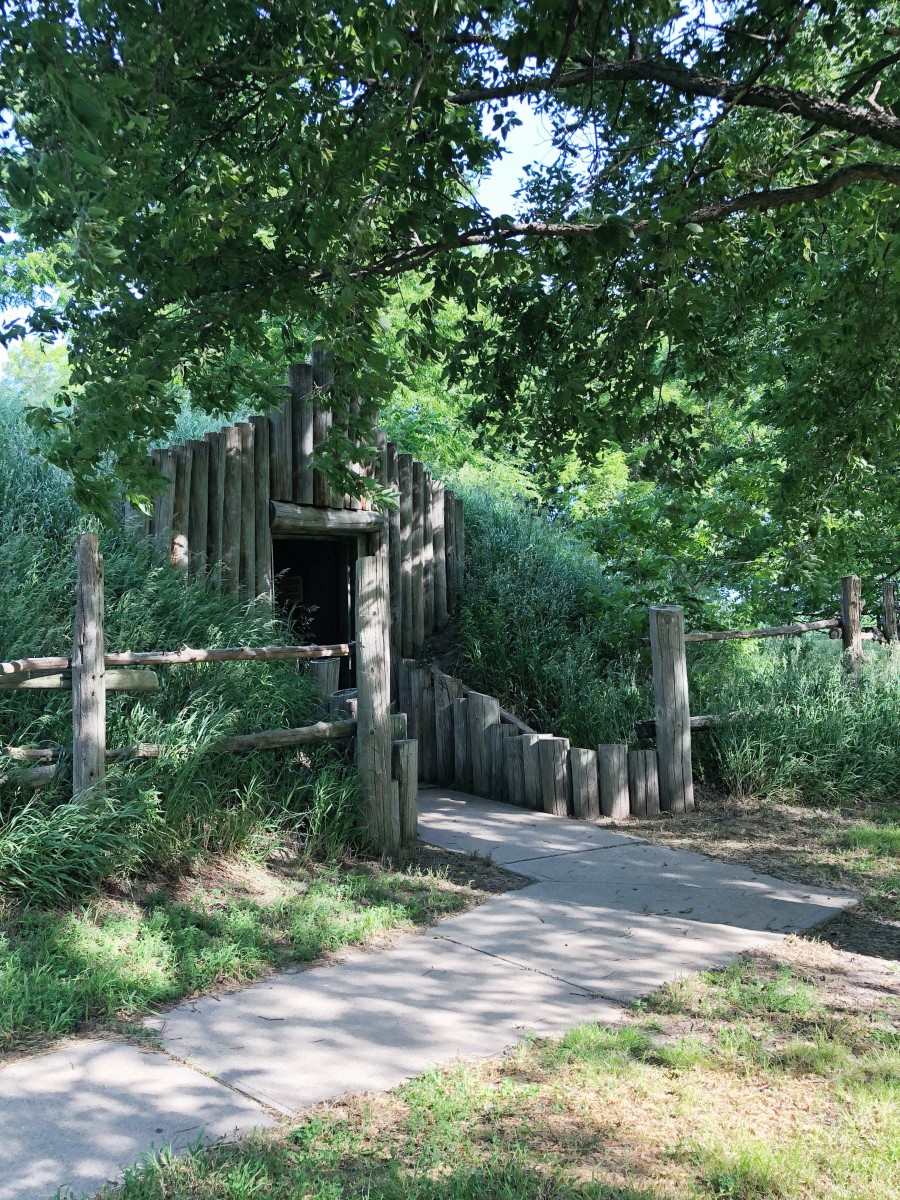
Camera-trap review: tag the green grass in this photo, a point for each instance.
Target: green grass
(777, 1092)
(117, 958)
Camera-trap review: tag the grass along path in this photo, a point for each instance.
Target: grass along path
(111, 961)
(766, 1080)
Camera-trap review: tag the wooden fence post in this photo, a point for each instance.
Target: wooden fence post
(612, 772)
(673, 713)
(88, 672)
(889, 609)
(404, 758)
(373, 682)
(643, 783)
(851, 622)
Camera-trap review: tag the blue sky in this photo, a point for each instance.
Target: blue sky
(527, 143)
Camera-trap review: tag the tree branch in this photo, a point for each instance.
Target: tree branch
(833, 114)
(771, 198)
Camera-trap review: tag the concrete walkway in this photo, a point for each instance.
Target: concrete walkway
(607, 919)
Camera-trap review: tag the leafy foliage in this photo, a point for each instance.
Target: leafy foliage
(719, 207)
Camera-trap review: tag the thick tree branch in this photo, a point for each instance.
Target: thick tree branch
(771, 198)
(832, 114)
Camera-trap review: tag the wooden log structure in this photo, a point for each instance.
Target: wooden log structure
(88, 673)
(585, 784)
(446, 690)
(63, 681)
(728, 635)
(262, 534)
(198, 508)
(231, 512)
(612, 772)
(405, 769)
(181, 508)
(404, 462)
(247, 559)
(497, 736)
(553, 760)
(647, 729)
(643, 783)
(514, 770)
(418, 558)
(215, 507)
(851, 623)
(533, 784)
(325, 672)
(462, 760)
(481, 713)
(889, 610)
(373, 739)
(673, 718)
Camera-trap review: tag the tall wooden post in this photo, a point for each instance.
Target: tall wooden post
(851, 623)
(889, 609)
(373, 682)
(404, 466)
(88, 673)
(673, 712)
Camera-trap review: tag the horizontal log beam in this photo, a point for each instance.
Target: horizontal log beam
(647, 729)
(303, 520)
(61, 681)
(168, 658)
(728, 635)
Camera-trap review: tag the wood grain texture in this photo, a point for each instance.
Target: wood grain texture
(514, 770)
(851, 623)
(889, 609)
(265, 581)
(672, 708)
(247, 565)
(300, 520)
(534, 791)
(462, 760)
(300, 376)
(231, 512)
(585, 784)
(553, 758)
(643, 783)
(216, 506)
(404, 466)
(164, 505)
(405, 768)
(427, 554)
(88, 673)
(392, 470)
(198, 508)
(373, 740)
(418, 567)
(612, 771)
(481, 713)
(439, 555)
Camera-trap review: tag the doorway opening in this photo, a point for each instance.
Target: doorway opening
(314, 590)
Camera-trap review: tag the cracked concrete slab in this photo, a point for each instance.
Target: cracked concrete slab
(73, 1118)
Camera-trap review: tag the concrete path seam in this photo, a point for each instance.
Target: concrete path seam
(586, 993)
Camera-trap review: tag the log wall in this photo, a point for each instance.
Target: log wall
(214, 516)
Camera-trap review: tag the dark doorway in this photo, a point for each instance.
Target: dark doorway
(314, 583)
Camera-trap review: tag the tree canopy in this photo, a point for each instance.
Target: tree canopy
(720, 207)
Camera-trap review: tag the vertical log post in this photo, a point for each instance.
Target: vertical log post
(585, 785)
(440, 559)
(514, 771)
(248, 513)
(265, 584)
(533, 793)
(450, 550)
(180, 554)
(198, 517)
(88, 673)
(643, 783)
(164, 507)
(481, 713)
(851, 623)
(889, 609)
(428, 553)
(418, 558)
(231, 511)
(373, 683)
(612, 771)
(394, 568)
(404, 462)
(216, 508)
(405, 767)
(673, 714)
(462, 759)
(446, 690)
(553, 758)
(302, 386)
(497, 736)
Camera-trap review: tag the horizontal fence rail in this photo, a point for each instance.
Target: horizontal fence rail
(170, 658)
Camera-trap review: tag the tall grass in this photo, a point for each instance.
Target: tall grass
(544, 629)
(188, 803)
